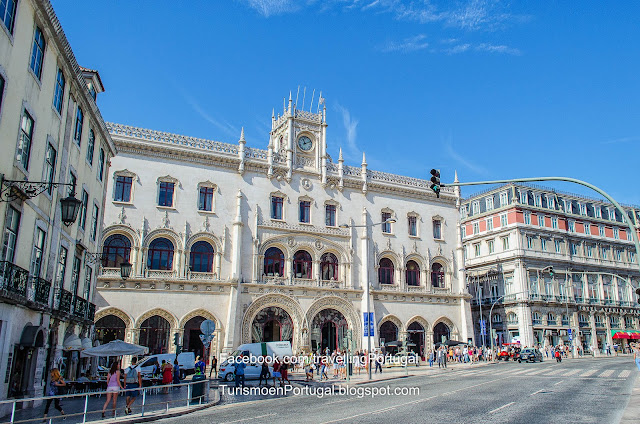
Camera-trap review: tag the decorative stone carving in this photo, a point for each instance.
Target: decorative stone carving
(165, 220)
(306, 184)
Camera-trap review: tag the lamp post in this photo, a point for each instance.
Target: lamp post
(16, 189)
(479, 296)
(125, 266)
(367, 290)
(491, 312)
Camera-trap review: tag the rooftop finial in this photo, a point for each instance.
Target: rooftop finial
(340, 155)
(455, 178)
(364, 159)
(242, 140)
(273, 113)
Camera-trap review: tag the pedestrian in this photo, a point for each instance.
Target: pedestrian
(54, 389)
(200, 364)
(636, 355)
(558, 356)
(431, 358)
(214, 366)
(167, 375)
(113, 387)
(176, 372)
(284, 371)
(240, 365)
(276, 372)
(264, 373)
(323, 371)
(132, 380)
(379, 361)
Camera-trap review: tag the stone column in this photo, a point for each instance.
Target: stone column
(594, 334)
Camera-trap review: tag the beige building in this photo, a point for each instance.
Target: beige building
(251, 239)
(559, 268)
(51, 132)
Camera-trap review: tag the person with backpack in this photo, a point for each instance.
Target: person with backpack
(132, 380)
(54, 385)
(558, 355)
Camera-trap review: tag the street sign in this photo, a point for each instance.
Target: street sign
(483, 327)
(366, 324)
(207, 327)
(371, 325)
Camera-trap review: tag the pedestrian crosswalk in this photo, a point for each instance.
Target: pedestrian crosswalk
(545, 370)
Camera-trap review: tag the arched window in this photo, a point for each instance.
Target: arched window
(116, 249)
(536, 318)
(109, 328)
(583, 320)
(437, 275)
(274, 262)
(160, 255)
(385, 271)
(551, 319)
(154, 334)
(413, 274)
(201, 257)
(496, 319)
(302, 265)
(388, 332)
(565, 319)
(329, 267)
(512, 318)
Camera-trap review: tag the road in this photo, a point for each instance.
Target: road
(581, 390)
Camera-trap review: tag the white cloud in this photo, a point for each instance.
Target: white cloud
(407, 45)
(351, 133)
(460, 48)
(224, 126)
(272, 7)
(622, 140)
(463, 161)
(492, 48)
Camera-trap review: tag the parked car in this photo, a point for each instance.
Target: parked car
(530, 354)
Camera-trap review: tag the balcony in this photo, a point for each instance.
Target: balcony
(579, 299)
(41, 290)
(79, 307)
(547, 297)
(63, 301)
(594, 301)
(583, 324)
(91, 312)
(13, 282)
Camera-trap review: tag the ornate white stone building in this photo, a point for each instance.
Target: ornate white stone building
(251, 239)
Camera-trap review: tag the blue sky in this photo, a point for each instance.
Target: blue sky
(493, 89)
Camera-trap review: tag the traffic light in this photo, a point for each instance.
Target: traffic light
(435, 181)
(176, 339)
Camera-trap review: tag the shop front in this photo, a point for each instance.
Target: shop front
(623, 338)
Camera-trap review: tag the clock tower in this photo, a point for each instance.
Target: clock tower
(298, 140)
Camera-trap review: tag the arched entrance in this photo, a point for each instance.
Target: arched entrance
(154, 334)
(191, 337)
(416, 337)
(441, 329)
(272, 324)
(388, 332)
(109, 328)
(327, 330)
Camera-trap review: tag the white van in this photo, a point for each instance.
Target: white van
(186, 360)
(254, 350)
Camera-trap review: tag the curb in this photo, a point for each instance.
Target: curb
(148, 418)
(632, 410)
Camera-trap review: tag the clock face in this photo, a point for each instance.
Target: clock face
(305, 143)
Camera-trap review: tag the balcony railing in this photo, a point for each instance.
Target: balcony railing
(91, 311)
(80, 307)
(579, 299)
(14, 280)
(64, 301)
(41, 290)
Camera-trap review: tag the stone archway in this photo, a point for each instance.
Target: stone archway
(284, 302)
(340, 305)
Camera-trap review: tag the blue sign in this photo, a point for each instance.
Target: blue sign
(483, 327)
(371, 325)
(570, 335)
(569, 331)
(366, 324)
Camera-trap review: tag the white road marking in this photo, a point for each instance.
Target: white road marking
(406, 403)
(248, 419)
(571, 372)
(535, 393)
(503, 406)
(339, 401)
(561, 381)
(607, 373)
(625, 374)
(588, 373)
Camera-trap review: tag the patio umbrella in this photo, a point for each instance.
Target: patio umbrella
(115, 348)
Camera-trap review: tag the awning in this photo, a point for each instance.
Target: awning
(87, 343)
(72, 342)
(627, 334)
(115, 348)
(32, 336)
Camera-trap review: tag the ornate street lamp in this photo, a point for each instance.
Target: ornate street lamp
(15, 189)
(125, 267)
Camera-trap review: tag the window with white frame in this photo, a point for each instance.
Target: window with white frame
(476, 249)
(412, 224)
(541, 220)
(463, 230)
(554, 222)
(505, 243)
(632, 256)
(604, 252)
(437, 229)
(165, 194)
(557, 246)
(490, 246)
(589, 251)
(538, 200)
(386, 226)
(527, 217)
(551, 202)
(583, 209)
(475, 207)
(618, 255)
(463, 211)
(503, 220)
(529, 242)
(616, 233)
(568, 206)
(490, 224)
(476, 228)
(597, 211)
(489, 202)
(543, 244)
(572, 226)
(629, 236)
(587, 228)
(573, 248)
(612, 214)
(601, 230)
(464, 252)
(504, 199)
(524, 198)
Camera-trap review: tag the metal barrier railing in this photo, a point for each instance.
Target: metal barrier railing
(191, 401)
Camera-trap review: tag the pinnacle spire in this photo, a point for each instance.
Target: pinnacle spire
(455, 178)
(340, 155)
(364, 159)
(242, 140)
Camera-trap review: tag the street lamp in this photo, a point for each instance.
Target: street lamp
(491, 312)
(478, 294)
(367, 285)
(125, 267)
(16, 189)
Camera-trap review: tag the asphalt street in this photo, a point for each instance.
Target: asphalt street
(581, 390)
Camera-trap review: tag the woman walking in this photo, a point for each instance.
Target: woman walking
(113, 387)
(54, 384)
(167, 375)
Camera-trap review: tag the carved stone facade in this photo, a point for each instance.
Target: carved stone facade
(275, 240)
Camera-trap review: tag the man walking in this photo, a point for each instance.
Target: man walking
(132, 380)
(240, 366)
(379, 360)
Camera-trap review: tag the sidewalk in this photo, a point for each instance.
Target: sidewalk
(632, 411)
(157, 406)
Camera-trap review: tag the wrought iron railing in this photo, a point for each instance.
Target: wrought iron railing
(14, 280)
(79, 307)
(91, 311)
(41, 290)
(64, 300)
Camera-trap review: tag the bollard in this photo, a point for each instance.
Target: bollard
(188, 394)
(13, 412)
(86, 403)
(144, 398)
